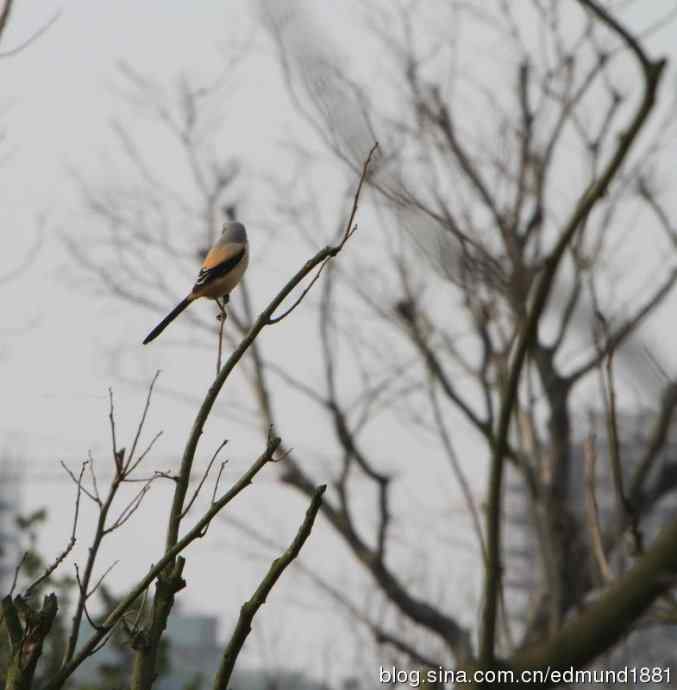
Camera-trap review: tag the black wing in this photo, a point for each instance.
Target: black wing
(207, 275)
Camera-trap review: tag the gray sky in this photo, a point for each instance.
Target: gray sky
(56, 104)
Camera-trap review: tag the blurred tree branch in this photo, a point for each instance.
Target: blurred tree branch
(652, 74)
(5, 14)
(250, 607)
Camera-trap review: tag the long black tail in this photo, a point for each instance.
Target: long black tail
(168, 319)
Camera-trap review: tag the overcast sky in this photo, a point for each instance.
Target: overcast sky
(56, 104)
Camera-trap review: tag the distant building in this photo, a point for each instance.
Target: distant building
(194, 655)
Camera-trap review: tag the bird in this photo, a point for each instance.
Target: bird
(222, 269)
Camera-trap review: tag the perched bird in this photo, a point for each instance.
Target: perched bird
(221, 271)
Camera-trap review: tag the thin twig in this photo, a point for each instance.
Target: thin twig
(111, 419)
(78, 481)
(347, 234)
(33, 37)
(222, 322)
(218, 479)
(204, 477)
(129, 467)
(99, 582)
(92, 473)
(625, 508)
(92, 623)
(143, 455)
(17, 570)
(251, 607)
(196, 532)
(129, 510)
(71, 543)
(592, 509)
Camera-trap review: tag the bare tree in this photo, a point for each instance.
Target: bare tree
(518, 187)
(480, 200)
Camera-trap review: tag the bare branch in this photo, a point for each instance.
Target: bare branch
(221, 446)
(196, 532)
(32, 38)
(626, 509)
(130, 465)
(606, 620)
(4, 15)
(348, 232)
(122, 469)
(251, 607)
(652, 76)
(592, 510)
(69, 547)
(78, 481)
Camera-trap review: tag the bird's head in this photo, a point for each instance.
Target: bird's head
(234, 232)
